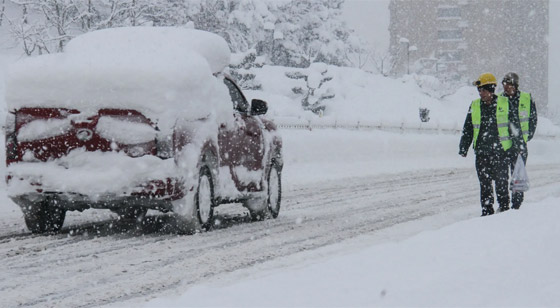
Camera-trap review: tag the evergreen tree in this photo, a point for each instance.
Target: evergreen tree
(312, 31)
(242, 69)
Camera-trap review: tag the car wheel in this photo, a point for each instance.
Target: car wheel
(270, 206)
(200, 213)
(44, 217)
(204, 199)
(274, 190)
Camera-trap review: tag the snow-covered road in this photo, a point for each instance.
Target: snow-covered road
(95, 261)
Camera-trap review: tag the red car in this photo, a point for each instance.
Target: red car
(134, 127)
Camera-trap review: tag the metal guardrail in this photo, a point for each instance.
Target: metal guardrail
(308, 125)
(368, 127)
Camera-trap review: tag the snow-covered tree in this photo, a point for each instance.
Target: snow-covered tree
(2, 11)
(101, 14)
(384, 60)
(242, 69)
(312, 31)
(285, 32)
(56, 27)
(314, 89)
(239, 22)
(163, 12)
(246, 24)
(29, 36)
(55, 22)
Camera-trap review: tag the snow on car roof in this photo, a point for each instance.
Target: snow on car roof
(150, 69)
(158, 41)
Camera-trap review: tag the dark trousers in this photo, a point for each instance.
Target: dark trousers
(493, 168)
(517, 197)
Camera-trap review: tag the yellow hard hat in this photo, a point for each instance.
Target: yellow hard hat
(484, 79)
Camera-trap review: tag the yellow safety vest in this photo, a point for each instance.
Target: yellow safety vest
(524, 113)
(502, 111)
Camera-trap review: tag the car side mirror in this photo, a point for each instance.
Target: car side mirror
(258, 107)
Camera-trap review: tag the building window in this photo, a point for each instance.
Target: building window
(452, 34)
(449, 12)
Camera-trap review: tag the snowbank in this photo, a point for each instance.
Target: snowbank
(365, 100)
(359, 97)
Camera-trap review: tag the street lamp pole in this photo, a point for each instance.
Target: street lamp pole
(404, 40)
(409, 49)
(407, 59)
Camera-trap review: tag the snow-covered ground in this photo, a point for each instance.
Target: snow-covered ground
(506, 260)
(454, 258)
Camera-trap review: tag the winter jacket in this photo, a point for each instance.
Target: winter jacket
(488, 142)
(514, 100)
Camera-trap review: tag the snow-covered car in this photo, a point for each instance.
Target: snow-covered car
(131, 119)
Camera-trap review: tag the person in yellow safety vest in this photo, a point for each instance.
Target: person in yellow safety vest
(523, 105)
(493, 128)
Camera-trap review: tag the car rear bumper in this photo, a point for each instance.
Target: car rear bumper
(97, 180)
(76, 202)
(153, 195)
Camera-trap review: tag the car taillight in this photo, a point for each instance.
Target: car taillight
(27, 115)
(127, 130)
(11, 147)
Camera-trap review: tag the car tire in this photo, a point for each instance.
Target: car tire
(274, 194)
(271, 205)
(44, 216)
(204, 199)
(201, 218)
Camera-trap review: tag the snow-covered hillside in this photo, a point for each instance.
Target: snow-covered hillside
(368, 100)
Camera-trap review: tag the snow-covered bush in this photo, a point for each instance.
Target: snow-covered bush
(314, 92)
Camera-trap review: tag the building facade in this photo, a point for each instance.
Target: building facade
(457, 40)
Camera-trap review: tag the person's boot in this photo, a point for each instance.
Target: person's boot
(487, 210)
(503, 209)
(515, 206)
